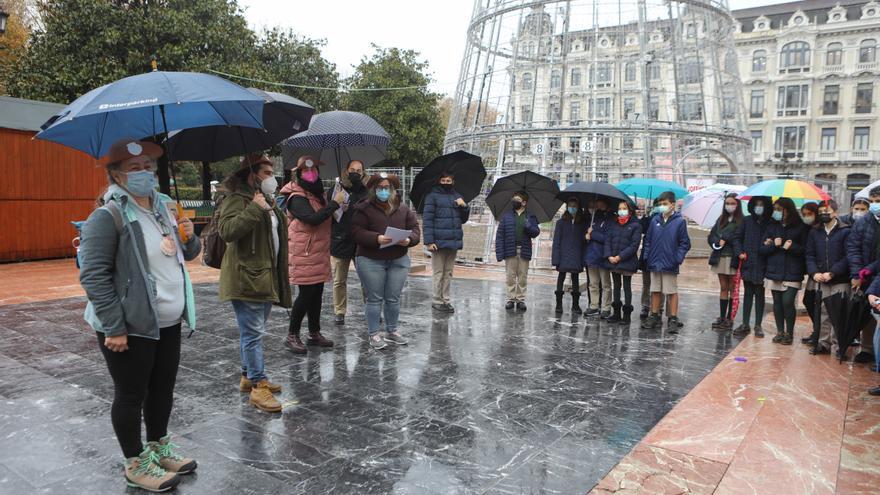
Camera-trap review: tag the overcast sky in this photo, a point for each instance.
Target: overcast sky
(436, 29)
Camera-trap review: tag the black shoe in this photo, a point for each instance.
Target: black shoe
(604, 315)
(340, 319)
(863, 357)
(644, 314)
(787, 339)
(591, 312)
(510, 305)
(440, 308)
(742, 330)
(559, 295)
(576, 303)
(718, 323)
(778, 337)
(520, 306)
(874, 391)
(449, 309)
(626, 318)
(673, 324)
(819, 350)
(808, 340)
(759, 332)
(652, 322)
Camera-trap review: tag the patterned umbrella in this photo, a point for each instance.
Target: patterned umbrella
(336, 138)
(799, 191)
(734, 293)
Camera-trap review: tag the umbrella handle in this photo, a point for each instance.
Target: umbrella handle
(180, 214)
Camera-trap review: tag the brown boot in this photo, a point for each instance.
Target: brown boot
(170, 460)
(246, 386)
(145, 472)
(315, 338)
(295, 344)
(262, 398)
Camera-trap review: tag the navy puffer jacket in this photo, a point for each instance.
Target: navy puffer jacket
(749, 238)
(595, 249)
(727, 234)
(568, 244)
(505, 236)
(786, 265)
(666, 243)
(826, 252)
(860, 246)
(442, 219)
(623, 240)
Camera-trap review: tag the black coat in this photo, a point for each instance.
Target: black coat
(748, 239)
(786, 265)
(342, 244)
(568, 244)
(716, 235)
(826, 252)
(860, 245)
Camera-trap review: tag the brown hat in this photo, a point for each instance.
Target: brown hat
(248, 161)
(129, 148)
(375, 179)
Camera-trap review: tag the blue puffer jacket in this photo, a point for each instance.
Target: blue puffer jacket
(786, 265)
(666, 244)
(623, 240)
(860, 246)
(442, 219)
(595, 248)
(505, 236)
(568, 244)
(749, 238)
(826, 252)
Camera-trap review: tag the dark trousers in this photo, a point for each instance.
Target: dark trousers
(575, 284)
(308, 302)
(625, 281)
(784, 309)
(143, 380)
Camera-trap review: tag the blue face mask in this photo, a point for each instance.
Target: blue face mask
(572, 210)
(777, 215)
(874, 208)
(759, 210)
(141, 183)
(661, 209)
(383, 194)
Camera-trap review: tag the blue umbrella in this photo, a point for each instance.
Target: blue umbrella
(150, 104)
(336, 138)
(648, 188)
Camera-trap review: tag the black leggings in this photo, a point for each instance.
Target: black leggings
(784, 309)
(575, 284)
(308, 301)
(753, 293)
(626, 282)
(143, 379)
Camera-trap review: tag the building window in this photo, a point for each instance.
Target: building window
(602, 108)
(527, 80)
(629, 107)
(795, 55)
(834, 54)
(757, 141)
(690, 107)
(690, 71)
(601, 73)
(861, 138)
(525, 147)
(654, 108)
(728, 106)
(864, 98)
(575, 77)
(856, 182)
(790, 139)
(829, 139)
(526, 114)
(630, 71)
(793, 100)
(553, 143)
(555, 79)
(868, 51)
(555, 114)
(575, 112)
(759, 61)
(574, 145)
(831, 100)
(691, 31)
(756, 107)
(654, 71)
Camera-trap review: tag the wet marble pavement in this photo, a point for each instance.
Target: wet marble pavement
(483, 401)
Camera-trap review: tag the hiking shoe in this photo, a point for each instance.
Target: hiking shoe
(262, 398)
(315, 338)
(395, 338)
(591, 312)
(295, 344)
(520, 306)
(742, 330)
(510, 305)
(145, 472)
(673, 324)
(245, 385)
(377, 342)
(863, 357)
(604, 315)
(340, 319)
(170, 460)
(652, 322)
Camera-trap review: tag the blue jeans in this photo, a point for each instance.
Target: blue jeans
(252, 318)
(383, 282)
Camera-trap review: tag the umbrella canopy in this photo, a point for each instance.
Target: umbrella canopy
(853, 313)
(705, 206)
(589, 191)
(543, 191)
(799, 191)
(650, 188)
(336, 138)
(283, 116)
(150, 104)
(468, 171)
(864, 193)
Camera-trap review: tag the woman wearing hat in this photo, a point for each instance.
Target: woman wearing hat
(134, 274)
(381, 265)
(253, 275)
(309, 250)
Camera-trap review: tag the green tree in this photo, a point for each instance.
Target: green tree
(13, 42)
(410, 116)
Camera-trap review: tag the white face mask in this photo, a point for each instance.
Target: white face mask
(730, 208)
(268, 186)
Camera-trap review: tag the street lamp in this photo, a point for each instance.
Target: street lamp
(3, 18)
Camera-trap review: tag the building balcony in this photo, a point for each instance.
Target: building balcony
(826, 156)
(833, 69)
(866, 66)
(861, 156)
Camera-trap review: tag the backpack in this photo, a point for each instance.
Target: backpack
(214, 246)
(111, 207)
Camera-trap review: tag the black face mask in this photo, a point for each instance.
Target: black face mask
(825, 218)
(447, 187)
(354, 178)
(517, 205)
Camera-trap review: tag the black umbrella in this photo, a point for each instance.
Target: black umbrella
(854, 314)
(813, 304)
(283, 116)
(589, 191)
(542, 191)
(468, 171)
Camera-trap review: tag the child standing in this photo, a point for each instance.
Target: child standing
(568, 243)
(597, 271)
(666, 245)
(828, 268)
(783, 247)
(621, 245)
(722, 261)
(747, 244)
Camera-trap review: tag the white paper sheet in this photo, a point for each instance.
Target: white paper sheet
(396, 236)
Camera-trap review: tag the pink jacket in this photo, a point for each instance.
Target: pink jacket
(309, 245)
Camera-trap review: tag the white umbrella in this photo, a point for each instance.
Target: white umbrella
(705, 206)
(864, 192)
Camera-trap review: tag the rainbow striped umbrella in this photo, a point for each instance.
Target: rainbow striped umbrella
(798, 190)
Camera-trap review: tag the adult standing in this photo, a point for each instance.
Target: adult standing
(445, 212)
(253, 274)
(308, 250)
(134, 276)
(381, 265)
(863, 252)
(342, 245)
(722, 259)
(784, 247)
(747, 246)
(513, 245)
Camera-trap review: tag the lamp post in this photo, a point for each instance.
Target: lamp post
(4, 17)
